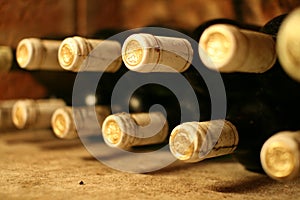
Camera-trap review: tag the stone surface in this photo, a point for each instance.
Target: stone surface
(36, 165)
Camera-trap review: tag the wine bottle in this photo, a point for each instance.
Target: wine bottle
(64, 125)
(124, 130)
(35, 114)
(277, 84)
(38, 54)
(74, 50)
(280, 156)
(228, 48)
(288, 42)
(6, 123)
(220, 50)
(166, 55)
(196, 141)
(250, 124)
(6, 58)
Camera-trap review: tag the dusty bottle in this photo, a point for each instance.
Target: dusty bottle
(196, 141)
(280, 156)
(6, 122)
(35, 114)
(166, 56)
(64, 125)
(7, 59)
(124, 130)
(288, 42)
(250, 123)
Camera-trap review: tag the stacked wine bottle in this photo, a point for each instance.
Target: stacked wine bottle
(258, 67)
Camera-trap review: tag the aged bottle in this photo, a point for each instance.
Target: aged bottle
(6, 58)
(64, 125)
(104, 55)
(196, 141)
(6, 123)
(124, 130)
(280, 155)
(277, 84)
(288, 42)
(38, 54)
(35, 114)
(166, 56)
(228, 48)
(250, 123)
(40, 57)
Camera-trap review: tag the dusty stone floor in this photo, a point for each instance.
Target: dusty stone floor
(36, 165)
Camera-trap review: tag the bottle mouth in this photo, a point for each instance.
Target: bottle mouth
(20, 115)
(280, 159)
(182, 144)
(24, 53)
(141, 52)
(288, 44)
(217, 46)
(66, 54)
(133, 54)
(30, 53)
(112, 132)
(61, 123)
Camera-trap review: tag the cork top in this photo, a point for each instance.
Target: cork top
(115, 129)
(280, 156)
(140, 49)
(71, 52)
(29, 53)
(148, 53)
(23, 113)
(62, 123)
(184, 142)
(219, 44)
(112, 132)
(288, 45)
(196, 141)
(227, 48)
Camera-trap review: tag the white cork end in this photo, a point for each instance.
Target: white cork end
(148, 53)
(23, 113)
(280, 156)
(116, 129)
(184, 142)
(288, 45)
(196, 141)
(30, 53)
(226, 48)
(74, 51)
(62, 123)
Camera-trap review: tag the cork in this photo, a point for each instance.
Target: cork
(6, 58)
(38, 54)
(226, 48)
(73, 51)
(6, 122)
(196, 141)
(149, 53)
(124, 130)
(64, 125)
(280, 156)
(31, 114)
(288, 45)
